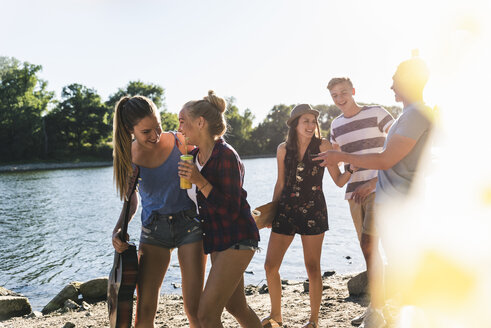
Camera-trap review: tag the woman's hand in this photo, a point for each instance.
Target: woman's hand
(119, 245)
(190, 172)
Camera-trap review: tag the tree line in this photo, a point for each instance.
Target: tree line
(34, 126)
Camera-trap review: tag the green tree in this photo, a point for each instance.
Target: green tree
(133, 88)
(395, 111)
(272, 131)
(80, 121)
(239, 128)
(23, 101)
(170, 121)
(326, 114)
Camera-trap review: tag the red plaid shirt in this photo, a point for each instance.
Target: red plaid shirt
(225, 215)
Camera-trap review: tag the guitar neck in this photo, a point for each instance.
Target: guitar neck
(127, 202)
(124, 226)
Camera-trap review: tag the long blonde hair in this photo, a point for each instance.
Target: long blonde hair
(212, 109)
(128, 112)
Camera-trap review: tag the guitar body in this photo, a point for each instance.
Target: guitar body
(121, 287)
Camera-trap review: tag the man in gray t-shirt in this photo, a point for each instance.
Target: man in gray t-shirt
(397, 163)
(414, 124)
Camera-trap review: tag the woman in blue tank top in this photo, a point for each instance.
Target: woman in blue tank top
(168, 215)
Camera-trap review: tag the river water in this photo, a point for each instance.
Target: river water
(55, 227)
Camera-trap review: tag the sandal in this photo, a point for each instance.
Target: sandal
(268, 322)
(310, 324)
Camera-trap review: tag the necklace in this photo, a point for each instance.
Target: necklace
(203, 160)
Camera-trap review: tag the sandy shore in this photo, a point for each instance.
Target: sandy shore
(337, 309)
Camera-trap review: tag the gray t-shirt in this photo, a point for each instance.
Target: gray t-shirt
(395, 182)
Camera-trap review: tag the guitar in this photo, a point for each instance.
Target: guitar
(124, 273)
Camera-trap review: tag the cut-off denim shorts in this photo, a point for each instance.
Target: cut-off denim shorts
(172, 230)
(247, 244)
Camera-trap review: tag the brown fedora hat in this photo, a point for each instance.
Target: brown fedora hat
(299, 110)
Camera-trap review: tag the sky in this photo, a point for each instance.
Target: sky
(260, 52)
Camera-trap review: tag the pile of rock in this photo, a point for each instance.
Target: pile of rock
(91, 291)
(68, 299)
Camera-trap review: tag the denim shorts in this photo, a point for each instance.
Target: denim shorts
(247, 244)
(172, 230)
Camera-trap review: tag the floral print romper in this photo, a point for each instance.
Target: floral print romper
(302, 207)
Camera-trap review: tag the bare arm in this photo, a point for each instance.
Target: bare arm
(280, 180)
(190, 172)
(340, 179)
(397, 148)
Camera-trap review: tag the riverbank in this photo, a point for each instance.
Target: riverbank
(79, 165)
(51, 166)
(337, 309)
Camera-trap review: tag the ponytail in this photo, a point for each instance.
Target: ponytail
(128, 112)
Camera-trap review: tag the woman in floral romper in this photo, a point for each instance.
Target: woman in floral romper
(301, 209)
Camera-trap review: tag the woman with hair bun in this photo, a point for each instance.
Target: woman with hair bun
(168, 215)
(230, 234)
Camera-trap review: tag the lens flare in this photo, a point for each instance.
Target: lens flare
(437, 241)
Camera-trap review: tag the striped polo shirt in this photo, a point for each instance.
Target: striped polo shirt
(361, 134)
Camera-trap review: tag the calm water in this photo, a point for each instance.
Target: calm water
(55, 227)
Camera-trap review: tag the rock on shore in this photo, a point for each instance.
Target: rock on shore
(13, 304)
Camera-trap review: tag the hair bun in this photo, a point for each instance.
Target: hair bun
(218, 102)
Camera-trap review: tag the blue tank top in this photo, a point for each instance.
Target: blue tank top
(160, 190)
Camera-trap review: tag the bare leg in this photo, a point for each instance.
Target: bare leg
(223, 279)
(152, 265)
(312, 248)
(375, 269)
(192, 261)
(277, 247)
(237, 306)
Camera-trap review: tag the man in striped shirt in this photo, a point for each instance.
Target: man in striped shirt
(361, 130)
(398, 163)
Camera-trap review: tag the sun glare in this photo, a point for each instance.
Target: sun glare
(438, 241)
